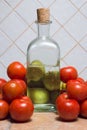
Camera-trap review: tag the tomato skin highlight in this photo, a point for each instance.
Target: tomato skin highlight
(83, 109)
(2, 83)
(68, 73)
(81, 80)
(21, 110)
(12, 90)
(26, 98)
(22, 83)
(4, 109)
(16, 70)
(76, 90)
(68, 109)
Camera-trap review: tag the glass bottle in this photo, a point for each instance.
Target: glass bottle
(43, 64)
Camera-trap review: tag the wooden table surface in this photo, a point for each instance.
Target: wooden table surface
(44, 121)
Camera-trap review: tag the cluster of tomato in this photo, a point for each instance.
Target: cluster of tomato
(14, 102)
(73, 102)
(13, 99)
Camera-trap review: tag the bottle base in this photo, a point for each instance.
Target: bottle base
(44, 108)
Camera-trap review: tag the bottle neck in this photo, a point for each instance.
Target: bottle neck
(43, 29)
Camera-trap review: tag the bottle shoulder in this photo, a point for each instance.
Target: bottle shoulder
(43, 41)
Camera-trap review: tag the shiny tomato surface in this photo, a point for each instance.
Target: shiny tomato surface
(68, 109)
(12, 90)
(76, 90)
(67, 73)
(22, 83)
(21, 110)
(83, 108)
(4, 109)
(16, 70)
(2, 83)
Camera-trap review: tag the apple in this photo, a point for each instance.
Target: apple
(76, 90)
(68, 109)
(83, 109)
(38, 95)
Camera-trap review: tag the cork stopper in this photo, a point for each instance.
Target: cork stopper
(43, 15)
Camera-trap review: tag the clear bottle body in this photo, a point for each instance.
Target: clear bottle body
(43, 64)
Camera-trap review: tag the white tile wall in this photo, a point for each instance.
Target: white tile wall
(13, 26)
(4, 10)
(69, 29)
(4, 43)
(77, 26)
(63, 10)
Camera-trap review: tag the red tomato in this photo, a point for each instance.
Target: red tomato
(86, 82)
(4, 109)
(16, 70)
(67, 73)
(83, 108)
(12, 90)
(68, 109)
(76, 90)
(21, 110)
(81, 80)
(2, 83)
(26, 98)
(22, 83)
(1, 96)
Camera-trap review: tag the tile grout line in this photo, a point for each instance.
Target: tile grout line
(20, 17)
(69, 19)
(69, 51)
(40, 3)
(81, 45)
(79, 7)
(21, 34)
(13, 43)
(61, 26)
(2, 64)
(51, 4)
(24, 32)
(64, 62)
(82, 70)
(13, 10)
(20, 49)
(9, 12)
(74, 47)
(56, 20)
(6, 49)
(72, 15)
(6, 35)
(16, 5)
(66, 32)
